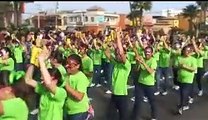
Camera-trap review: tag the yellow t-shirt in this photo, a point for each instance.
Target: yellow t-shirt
(34, 55)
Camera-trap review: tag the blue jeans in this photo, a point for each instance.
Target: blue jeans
(97, 74)
(108, 71)
(166, 73)
(185, 91)
(79, 116)
(148, 91)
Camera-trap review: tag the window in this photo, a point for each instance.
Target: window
(65, 20)
(86, 19)
(71, 19)
(75, 19)
(92, 19)
(59, 22)
(79, 19)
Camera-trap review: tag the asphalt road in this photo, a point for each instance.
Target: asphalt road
(167, 105)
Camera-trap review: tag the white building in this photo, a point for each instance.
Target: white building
(171, 12)
(92, 17)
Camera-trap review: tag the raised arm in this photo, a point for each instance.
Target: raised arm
(47, 79)
(28, 76)
(120, 47)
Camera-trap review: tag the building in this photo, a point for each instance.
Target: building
(165, 23)
(171, 12)
(92, 19)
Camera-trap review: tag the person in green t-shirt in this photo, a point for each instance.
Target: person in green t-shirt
(164, 65)
(52, 95)
(175, 53)
(96, 55)
(146, 83)
(199, 55)
(13, 97)
(187, 65)
(18, 55)
(6, 65)
(121, 71)
(77, 103)
(57, 61)
(87, 62)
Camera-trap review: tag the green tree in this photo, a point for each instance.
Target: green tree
(191, 12)
(137, 10)
(204, 6)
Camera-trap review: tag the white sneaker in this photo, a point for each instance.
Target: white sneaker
(176, 87)
(105, 82)
(90, 99)
(185, 108)
(133, 99)
(164, 93)
(92, 85)
(34, 112)
(191, 100)
(180, 111)
(200, 93)
(145, 99)
(108, 92)
(130, 86)
(98, 85)
(156, 93)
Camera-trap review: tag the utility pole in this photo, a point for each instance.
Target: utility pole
(56, 14)
(39, 10)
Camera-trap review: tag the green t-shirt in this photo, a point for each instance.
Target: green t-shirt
(145, 77)
(157, 55)
(104, 56)
(120, 77)
(131, 57)
(185, 76)
(9, 66)
(164, 58)
(67, 52)
(175, 54)
(78, 82)
(87, 65)
(14, 109)
(96, 56)
(18, 54)
(63, 72)
(51, 106)
(200, 57)
(206, 52)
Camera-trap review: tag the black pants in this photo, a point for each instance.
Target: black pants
(175, 76)
(185, 91)
(144, 90)
(4, 75)
(120, 103)
(199, 74)
(19, 67)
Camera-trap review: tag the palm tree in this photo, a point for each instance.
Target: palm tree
(138, 8)
(204, 6)
(191, 12)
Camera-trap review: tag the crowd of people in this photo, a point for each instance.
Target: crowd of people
(49, 73)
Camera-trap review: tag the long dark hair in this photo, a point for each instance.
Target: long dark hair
(76, 58)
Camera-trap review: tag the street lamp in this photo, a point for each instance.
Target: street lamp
(39, 10)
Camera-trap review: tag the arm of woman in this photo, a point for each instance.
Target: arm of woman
(44, 72)
(28, 77)
(74, 93)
